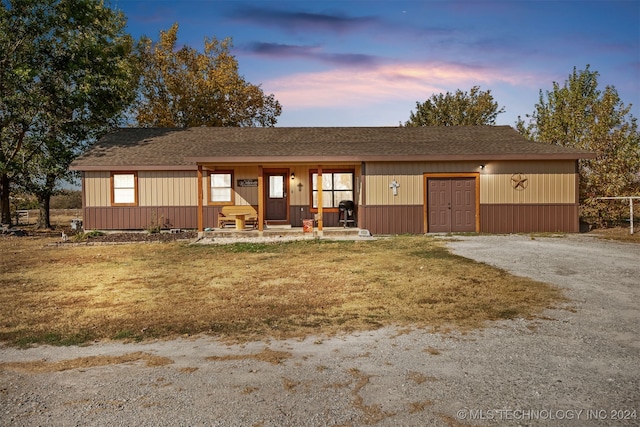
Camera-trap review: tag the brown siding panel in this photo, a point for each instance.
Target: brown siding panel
(381, 220)
(139, 218)
(298, 213)
(498, 218)
(391, 219)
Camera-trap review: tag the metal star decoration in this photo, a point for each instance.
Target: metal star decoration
(519, 181)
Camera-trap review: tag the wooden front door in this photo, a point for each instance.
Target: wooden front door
(276, 207)
(451, 205)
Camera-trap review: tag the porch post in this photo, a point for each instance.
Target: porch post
(200, 197)
(260, 199)
(319, 184)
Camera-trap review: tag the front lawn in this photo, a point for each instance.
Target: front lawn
(249, 291)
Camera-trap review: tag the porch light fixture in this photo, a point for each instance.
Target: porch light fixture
(293, 175)
(481, 167)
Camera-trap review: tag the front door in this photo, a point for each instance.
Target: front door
(452, 205)
(276, 206)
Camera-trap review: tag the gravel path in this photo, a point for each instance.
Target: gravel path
(577, 366)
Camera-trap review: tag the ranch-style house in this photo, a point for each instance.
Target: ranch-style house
(387, 180)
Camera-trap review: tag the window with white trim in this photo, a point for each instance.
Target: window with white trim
(336, 186)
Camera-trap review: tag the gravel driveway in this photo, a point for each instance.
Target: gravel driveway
(578, 365)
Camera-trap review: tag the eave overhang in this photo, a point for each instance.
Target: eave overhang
(387, 158)
(117, 168)
(208, 160)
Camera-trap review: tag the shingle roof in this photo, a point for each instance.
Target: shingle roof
(179, 148)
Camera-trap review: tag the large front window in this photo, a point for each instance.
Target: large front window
(221, 187)
(336, 186)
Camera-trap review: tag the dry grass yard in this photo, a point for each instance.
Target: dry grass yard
(620, 234)
(248, 291)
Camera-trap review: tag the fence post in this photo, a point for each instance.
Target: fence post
(631, 213)
(631, 198)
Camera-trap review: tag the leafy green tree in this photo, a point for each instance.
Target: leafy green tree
(456, 109)
(580, 115)
(186, 88)
(66, 75)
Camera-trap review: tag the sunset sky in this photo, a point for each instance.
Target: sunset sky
(366, 63)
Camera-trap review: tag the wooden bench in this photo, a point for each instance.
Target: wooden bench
(233, 215)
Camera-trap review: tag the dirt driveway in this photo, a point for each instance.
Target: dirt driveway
(575, 366)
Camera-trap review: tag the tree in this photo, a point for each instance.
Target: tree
(185, 88)
(66, 75)
(459, 109)
(579, 115)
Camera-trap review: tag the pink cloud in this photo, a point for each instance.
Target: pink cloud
(410, 81)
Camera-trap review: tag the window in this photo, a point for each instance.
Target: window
(336, 186)
(124, 189)
(276, 186)
(221, 187)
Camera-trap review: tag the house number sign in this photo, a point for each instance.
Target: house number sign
(247, 183)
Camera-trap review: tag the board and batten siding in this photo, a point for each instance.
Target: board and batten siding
(97, 189)
(550, 184)
(167, 188)
(243, 196)
(166, 197)
(379, 176)
(541, 188)
(155, 188)
(179, 188)
(549, 203)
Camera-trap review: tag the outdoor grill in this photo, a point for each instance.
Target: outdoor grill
(346, 213)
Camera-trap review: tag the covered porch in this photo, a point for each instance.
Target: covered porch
(277, 198)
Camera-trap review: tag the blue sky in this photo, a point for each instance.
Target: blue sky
(366, 63)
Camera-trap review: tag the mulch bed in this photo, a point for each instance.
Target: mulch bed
(123, 237)
(141, 237)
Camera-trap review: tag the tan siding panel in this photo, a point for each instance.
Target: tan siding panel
(246, 195)
(147, 188)
(97, 189)
(531, 167)
(419, 168)
(549, 181)
(409, 175)
(167, 188)
(541, 188)
(300, 195)
(379, 191)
